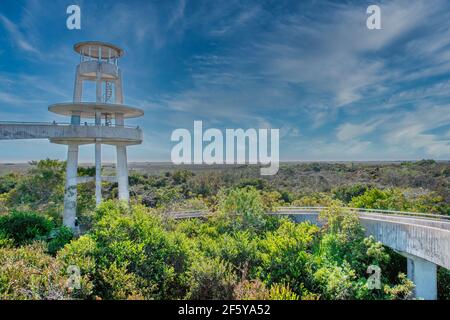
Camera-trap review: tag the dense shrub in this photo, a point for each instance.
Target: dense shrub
(211, 279)
(348, 192)
(389, 199)
(134, 245)
(58, 238)
(82, 254)
(5, 241)
(313, 200)
(244, 208)
(41, 189)
(118, 283)
(402, 200)
(240, 249)
(282, 292)
(401, 291)
(347, 254)
(250, 290)
(8, 182)
(257, 290)
(343, 239)
(29, 273)
(24, 227)
(132, 253)
(286, 254)
(443, 276)
(336, 282)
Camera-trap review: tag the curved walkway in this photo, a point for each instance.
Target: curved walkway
(424, 239)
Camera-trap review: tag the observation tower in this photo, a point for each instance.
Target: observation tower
(98, 63)
(91, 122)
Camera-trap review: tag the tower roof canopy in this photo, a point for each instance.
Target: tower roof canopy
(92, 49)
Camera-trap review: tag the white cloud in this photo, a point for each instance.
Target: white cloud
(349, 131)
(411, 131)
(8, 98)
(237, 22)
(17, 36)
(331, 54)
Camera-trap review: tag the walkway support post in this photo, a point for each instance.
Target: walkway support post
(423, 274)
(424, 239)
(70, 195)
(122, 172)
(98, 173)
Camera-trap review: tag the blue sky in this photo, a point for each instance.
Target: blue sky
(336, 90)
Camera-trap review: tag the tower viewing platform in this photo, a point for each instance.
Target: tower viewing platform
(99, 63)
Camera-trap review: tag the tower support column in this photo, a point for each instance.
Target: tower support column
(423, 274)
(119, 119)
(98, 88)
(118, 88)
(98, 146)
(70, 195)
(98, 172)
(122, 172)
(78, 90)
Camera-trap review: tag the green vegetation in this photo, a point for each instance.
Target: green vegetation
(239, 252)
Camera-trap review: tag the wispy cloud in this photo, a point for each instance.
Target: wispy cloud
(338, 54)
(412, 130)
(350, 131)
(8, 98)
(236, 22)
(16, 36)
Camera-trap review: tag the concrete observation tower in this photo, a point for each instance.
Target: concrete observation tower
(99, 122)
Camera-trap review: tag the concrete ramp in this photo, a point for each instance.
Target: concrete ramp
(423, 239)
(420, 237)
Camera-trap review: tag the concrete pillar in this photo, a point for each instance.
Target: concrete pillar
(122, 172)
(118, 84)
(423, 274)
(70, 195)
(75, 118)
(98, 118)
(98, 96)
(119, 119)
(78, 90)
(98, 172)
(98, 146)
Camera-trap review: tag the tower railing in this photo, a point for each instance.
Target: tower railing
(92, 65)
(67, 124)
(364, 210)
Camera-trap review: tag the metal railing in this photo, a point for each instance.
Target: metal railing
(66, 124)
(187, 214)
(26, 122)
(288, 210)
(370, 211)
